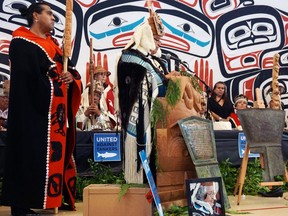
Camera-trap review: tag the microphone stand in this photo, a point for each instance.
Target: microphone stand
(207, 88)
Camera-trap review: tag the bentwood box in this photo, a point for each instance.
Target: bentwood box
(103, 200)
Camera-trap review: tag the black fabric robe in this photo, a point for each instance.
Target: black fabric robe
(34, 177)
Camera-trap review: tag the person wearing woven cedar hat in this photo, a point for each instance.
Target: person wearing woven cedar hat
(107, 97)
(100, 74)
(240, 102)
(138, 82)
(93, 114)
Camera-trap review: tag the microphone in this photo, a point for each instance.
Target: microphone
(168, 56)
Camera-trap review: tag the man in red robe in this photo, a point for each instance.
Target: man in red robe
(43, 101)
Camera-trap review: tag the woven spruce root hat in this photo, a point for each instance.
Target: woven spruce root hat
(100, 69)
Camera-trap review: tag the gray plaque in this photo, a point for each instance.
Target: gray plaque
(200, 141)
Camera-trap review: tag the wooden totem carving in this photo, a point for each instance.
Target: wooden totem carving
(275, 102)
(171, 146)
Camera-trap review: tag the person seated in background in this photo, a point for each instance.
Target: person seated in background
(219, 103)
(204, 113)
(269, 93)
(240, 102)
(94, 116)
(101, 75)
(268, 100)
(105, 103)
(4, 102)
(107, 97)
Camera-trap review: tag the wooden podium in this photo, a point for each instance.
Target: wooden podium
(175, 163)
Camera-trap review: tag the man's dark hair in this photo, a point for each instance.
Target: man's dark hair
(28, 12)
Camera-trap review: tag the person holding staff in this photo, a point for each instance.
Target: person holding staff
(40, 170)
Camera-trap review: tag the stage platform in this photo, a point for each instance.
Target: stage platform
(252, 205)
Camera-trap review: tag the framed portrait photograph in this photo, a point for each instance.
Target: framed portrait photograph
(205, 197)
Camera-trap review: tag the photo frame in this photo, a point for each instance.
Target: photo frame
(205, 196)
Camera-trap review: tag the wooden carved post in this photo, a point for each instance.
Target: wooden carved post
(259, 103)
(67, 45)
(275, 102)
(91, 74)
(67, 34)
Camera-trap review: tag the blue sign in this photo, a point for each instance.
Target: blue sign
(151, 182)
(106, 147)
(242, 145)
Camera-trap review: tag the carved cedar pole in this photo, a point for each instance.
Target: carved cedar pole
(275, 102)
(259, 103)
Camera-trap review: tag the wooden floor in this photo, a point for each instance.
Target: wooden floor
(5, 211)
(252, 205)
(259, 206)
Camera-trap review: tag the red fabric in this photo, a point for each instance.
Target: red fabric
(57, 131)
(235, 119)
(110, 101)
(149, 196)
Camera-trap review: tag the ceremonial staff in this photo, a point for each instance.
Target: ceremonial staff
(67, 34)
(91, 73)
(67, 45)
